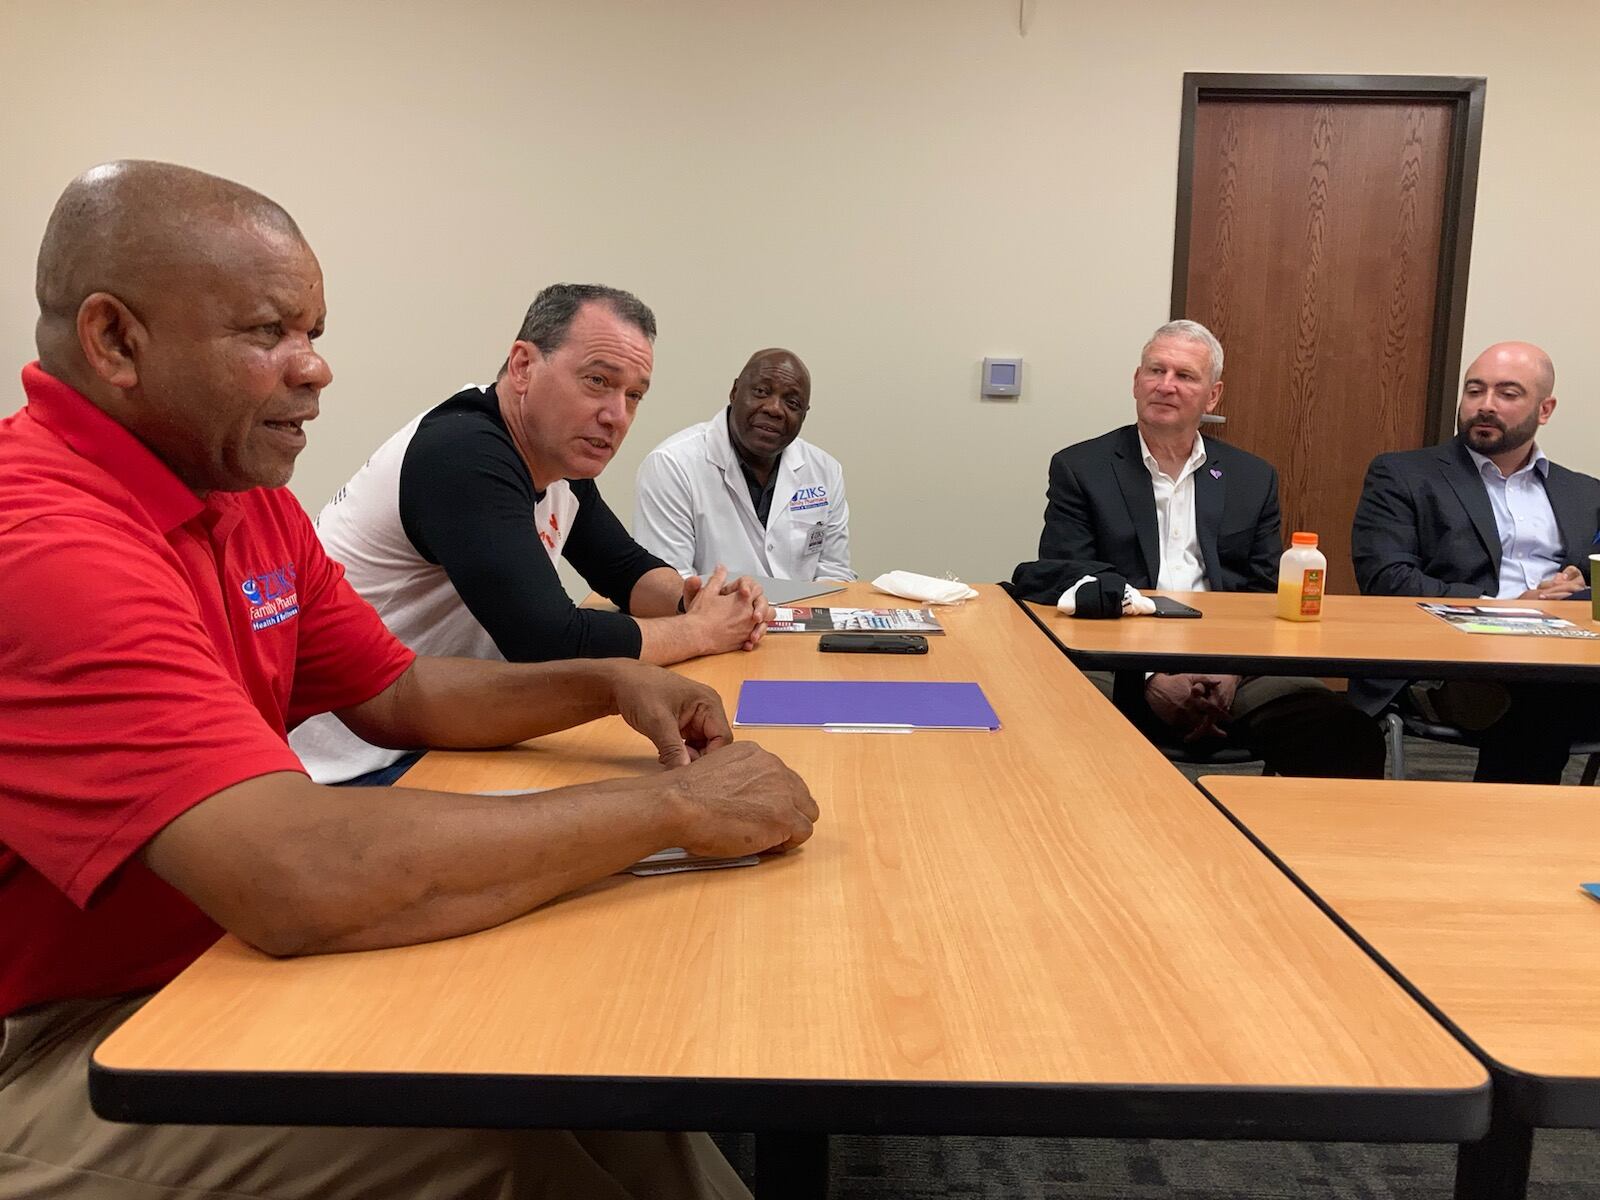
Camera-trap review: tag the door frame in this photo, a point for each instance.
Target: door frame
(1460, 196)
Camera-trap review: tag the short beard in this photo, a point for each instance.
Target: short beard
(1511, 437)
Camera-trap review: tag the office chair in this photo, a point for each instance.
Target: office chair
(1397, 723)
(1220, 757)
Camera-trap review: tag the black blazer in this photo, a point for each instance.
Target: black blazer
(1101, 516)
(1424, 526)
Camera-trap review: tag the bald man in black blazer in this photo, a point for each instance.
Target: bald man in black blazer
(1485, 515)
(1166, 509)
(1425, 527)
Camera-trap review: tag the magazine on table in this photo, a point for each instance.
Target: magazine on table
(855, 620)
(1522, 622)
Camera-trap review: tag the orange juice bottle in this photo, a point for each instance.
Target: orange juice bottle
(1301, 572)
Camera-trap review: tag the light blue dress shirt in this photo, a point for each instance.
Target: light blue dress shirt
(1530, 539)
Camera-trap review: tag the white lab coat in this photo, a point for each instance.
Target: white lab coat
(693, 509)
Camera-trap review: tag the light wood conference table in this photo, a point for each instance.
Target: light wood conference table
(1469, 892)
(1040, 930)
(1376, 637)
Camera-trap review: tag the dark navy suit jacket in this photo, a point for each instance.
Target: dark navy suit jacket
(1425, 527)
(1101, 516)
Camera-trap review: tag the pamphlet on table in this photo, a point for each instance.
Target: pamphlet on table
(671, 861)
(864, 620)
(1522, 622)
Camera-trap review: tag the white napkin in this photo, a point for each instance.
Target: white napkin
(923, 587)
(1134, 603)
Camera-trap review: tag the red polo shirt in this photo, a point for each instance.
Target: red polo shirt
(154, 649)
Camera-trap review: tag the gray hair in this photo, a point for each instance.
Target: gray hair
(1190, 331)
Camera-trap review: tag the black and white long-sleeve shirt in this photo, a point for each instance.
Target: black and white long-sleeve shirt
(444, 533)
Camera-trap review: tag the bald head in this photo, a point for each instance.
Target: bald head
(131, 229)
(1508, 392)
(184, 307)
(767, 406)
(771, 355)
(1522, 360)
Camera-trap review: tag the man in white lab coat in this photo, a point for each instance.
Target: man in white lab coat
(744, 490)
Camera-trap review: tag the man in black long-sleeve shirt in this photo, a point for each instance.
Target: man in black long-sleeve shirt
(452, 528)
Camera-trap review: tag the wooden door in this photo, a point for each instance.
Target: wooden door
(1323, 244)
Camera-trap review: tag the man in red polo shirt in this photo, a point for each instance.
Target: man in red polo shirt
(166, 616)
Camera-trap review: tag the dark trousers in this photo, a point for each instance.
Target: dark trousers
(1296, 726)
(1533, 740)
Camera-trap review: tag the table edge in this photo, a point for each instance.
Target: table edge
(1341, 668)
(787, 1105)
(1543, 1101)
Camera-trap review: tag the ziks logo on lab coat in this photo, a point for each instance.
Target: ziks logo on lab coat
(809, 497)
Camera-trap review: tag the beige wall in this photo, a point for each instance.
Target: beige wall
(894, 189)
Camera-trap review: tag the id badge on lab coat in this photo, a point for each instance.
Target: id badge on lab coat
(814, 541)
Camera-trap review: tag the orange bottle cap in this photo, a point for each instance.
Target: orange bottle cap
(1303, 539)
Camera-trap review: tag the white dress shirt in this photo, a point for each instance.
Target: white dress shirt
(1530, 538)
(1182, 569)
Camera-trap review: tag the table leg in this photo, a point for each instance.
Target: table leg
(791, 1166)
(1497, 1167)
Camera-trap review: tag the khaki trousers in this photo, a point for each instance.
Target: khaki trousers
(52, 1146)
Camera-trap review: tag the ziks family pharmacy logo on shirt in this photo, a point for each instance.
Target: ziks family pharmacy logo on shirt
(271, 596)
(808, 497)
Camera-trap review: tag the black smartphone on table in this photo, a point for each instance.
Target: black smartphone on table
(872, 643)
(1166, 606)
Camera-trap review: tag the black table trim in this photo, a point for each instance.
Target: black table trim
(790, 1106)
(1343, 668)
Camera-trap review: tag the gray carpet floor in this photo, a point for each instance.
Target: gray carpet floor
(1566, 1166)
(1566, 1163)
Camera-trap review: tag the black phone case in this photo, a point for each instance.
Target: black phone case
(872, 643)
(1167, 607)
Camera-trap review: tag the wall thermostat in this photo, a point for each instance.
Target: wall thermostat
(1002, 377)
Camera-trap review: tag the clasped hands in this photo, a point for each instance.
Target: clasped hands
(1558, 587)
(1195, 705)
(736, 608)
(732, 798)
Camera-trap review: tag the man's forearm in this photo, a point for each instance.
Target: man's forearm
(667, 635)
(667, 640)
(1406, 580)
(1392, 570)
(360, 868)
(469, 703)
(657, 593)
(720, 616)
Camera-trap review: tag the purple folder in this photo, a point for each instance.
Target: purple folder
(864, 705)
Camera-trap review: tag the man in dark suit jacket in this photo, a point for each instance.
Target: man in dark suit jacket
(1100, 515)
(1159, 505)
(1487, 515)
